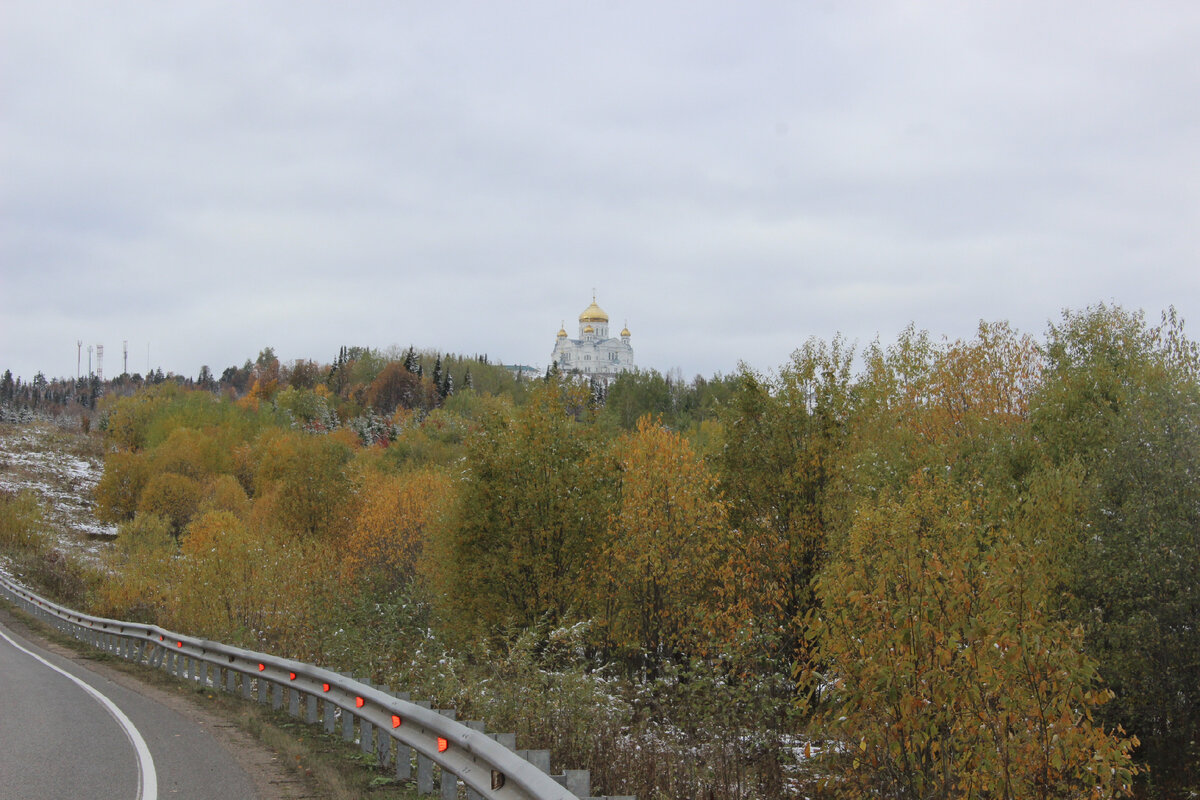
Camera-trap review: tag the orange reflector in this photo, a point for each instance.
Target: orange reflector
(292, 676)
(179, 644)
(262, 667)
(358, 701)
(443, 745)
(396, 721)
(160, 638)
(324, 687)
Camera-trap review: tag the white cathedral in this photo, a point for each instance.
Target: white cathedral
(593, 354)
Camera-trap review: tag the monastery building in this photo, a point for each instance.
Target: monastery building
(593, 354)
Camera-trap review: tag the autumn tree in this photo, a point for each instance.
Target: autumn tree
(224, 493)
(172, 496)
(1121, 409)
(136, 583)
(528, 514)
(396, 387)
(303, 482)
(303, 374)
(120, 487)
(232, 583)
(776, 463)
(190, 452)
(950, 672)
(393, 524)
(658, 570)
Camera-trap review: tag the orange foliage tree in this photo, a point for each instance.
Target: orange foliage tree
(393, 524)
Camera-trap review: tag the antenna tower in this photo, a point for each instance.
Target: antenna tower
(78, 358)
(100, 362)
(125, 362)
(89, 361)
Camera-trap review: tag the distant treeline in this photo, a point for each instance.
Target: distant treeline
(362, 380)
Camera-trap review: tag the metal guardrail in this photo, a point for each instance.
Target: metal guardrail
(389, 726)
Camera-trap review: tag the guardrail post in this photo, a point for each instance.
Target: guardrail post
(263, 690)
(366, 736)
(276, 695)
(383, 739)
(347, 725)
(539, 758)
(449, 779)
(578, 782)
(403, 751)
(424, 765)
(312, 710)
(475, 725)
(347, 716)
(329, 713)
(293, 701)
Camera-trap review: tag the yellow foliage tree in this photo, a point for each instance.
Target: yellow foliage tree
(309, 478)
(136, 585)
(194, 453)
(172, 496)
(224, 493)
(232, 583)
(120, 487)
(950, 673)
(658, 571)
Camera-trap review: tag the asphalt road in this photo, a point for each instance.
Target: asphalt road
(58, 739)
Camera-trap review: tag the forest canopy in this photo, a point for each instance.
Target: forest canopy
(961, 568)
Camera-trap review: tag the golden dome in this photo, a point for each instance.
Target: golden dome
(593, 313)
(589, 329)
(625, 332)
(562, 333)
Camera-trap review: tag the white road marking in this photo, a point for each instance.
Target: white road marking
(147, 777)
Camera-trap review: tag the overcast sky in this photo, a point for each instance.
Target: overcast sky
(205, 179)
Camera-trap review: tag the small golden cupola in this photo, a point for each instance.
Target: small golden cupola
(562, 332)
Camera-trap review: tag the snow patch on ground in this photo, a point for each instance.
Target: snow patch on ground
(40, 457)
